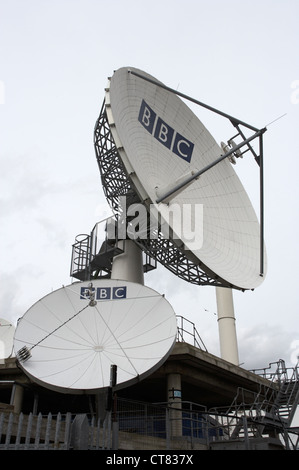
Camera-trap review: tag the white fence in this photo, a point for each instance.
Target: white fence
(59, 432)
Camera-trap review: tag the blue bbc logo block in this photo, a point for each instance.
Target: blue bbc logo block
(164, 133)
(105, 293)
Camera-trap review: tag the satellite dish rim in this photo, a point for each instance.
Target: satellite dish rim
(93, 391)
(121, 348)
(147, 199)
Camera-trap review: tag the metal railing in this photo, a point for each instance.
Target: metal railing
(286, 380)
(54, 432)
(187, 333)
(135, 426)
(21, 432)
(278, 372)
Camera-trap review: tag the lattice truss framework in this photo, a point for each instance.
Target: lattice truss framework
(116, 183)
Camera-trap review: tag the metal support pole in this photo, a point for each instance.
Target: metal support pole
(233, 120)
(261, 208)
(209, 166)
(128, 266)
(113, 379)
(174, 385)
(227, 325)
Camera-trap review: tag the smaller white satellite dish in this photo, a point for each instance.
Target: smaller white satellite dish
(7, 331)
(68, 340)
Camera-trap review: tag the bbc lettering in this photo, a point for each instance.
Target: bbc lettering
(105, 293)
(164, 133)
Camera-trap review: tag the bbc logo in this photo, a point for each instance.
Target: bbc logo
(104, 293)
(164, 133)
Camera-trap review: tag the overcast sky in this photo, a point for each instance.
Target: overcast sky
(55, 57)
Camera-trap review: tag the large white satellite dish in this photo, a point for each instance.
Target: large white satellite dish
(7, 331)
(68, 340)
(152, 148)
